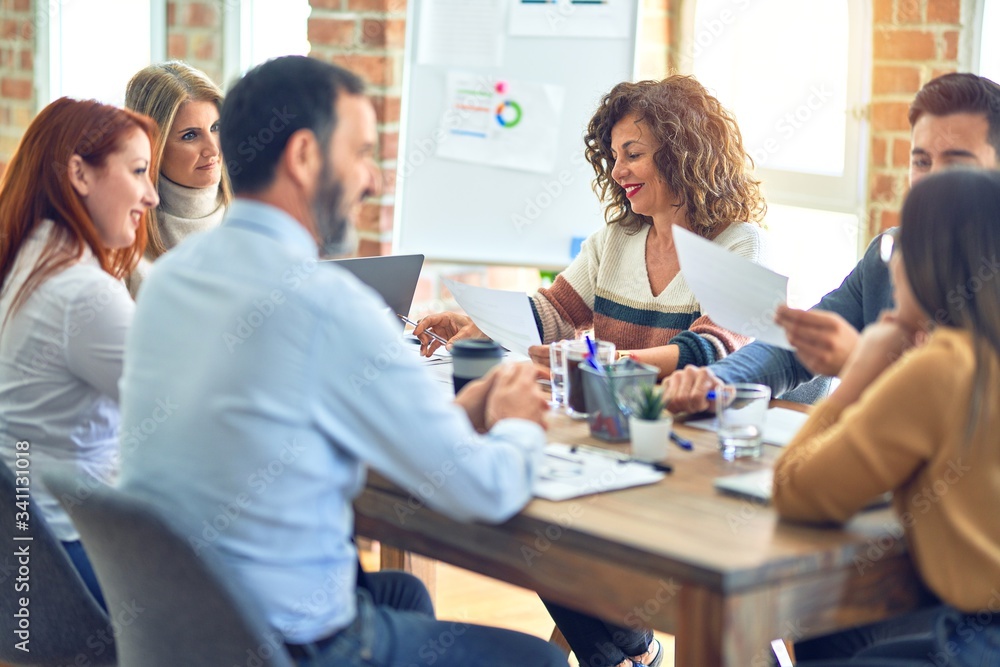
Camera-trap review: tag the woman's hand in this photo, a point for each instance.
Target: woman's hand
(879, 347)
(539, 354)
(450, 326)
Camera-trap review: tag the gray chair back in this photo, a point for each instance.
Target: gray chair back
(174, 605)
(66, 625)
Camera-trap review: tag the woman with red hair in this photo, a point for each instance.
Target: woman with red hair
(73, 203)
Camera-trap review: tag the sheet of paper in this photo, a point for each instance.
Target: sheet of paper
(736, 293)
(466, 33)
(605, 19)
(569, 472)
(780, 426)
(502, 315)
(501, 122)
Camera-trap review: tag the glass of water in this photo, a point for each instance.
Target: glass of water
(740, 412)
(557, 368)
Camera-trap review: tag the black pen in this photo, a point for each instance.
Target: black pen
(655, 465)
(428, 331)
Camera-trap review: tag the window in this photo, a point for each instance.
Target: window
(794, 75)
(75, 56)
(256, 30)
(989, 40)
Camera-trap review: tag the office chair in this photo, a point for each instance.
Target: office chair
(64, 620)
(177, 606)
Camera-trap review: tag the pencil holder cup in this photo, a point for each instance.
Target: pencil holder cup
(607, 396)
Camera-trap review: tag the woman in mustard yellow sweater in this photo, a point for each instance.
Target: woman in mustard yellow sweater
(917, 413)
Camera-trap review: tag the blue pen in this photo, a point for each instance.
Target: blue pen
(592, 357)
(681, 442)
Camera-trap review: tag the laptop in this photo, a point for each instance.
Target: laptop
(394, 277)
(756, 487)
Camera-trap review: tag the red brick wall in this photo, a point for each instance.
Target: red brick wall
(913, 42)
(367, 37)
(17, 73)
(194, 35)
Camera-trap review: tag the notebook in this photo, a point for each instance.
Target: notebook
(394, 277)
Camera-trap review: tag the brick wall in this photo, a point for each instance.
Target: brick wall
(17, 94)
(913, 42)
(367, 37)
(194, 35)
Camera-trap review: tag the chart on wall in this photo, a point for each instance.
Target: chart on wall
(500, 122)
(496, 99)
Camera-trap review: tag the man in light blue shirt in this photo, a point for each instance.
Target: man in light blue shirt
(286, 380)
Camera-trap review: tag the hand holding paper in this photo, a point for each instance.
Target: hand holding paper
(736, 293)
(503, 316)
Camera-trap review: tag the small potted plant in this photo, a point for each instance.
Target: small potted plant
(649, 427)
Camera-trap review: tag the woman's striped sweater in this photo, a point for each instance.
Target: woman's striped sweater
(607, 288)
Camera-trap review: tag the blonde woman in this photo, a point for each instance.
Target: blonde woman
(191, 178)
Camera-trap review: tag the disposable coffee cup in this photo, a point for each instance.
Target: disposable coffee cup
(472, 359)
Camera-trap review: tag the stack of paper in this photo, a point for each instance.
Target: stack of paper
(780, 426)
(571, 471)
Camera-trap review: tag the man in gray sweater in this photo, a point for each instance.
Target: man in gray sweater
(954, 120)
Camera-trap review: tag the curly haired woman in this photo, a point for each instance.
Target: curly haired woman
(664, 153)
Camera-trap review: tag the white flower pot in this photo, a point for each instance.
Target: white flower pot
(649, 438)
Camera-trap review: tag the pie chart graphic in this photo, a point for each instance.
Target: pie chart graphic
(508, 113)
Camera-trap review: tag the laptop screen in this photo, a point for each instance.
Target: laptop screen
(394, 277)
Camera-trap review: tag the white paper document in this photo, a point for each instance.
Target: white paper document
(569, 471)
(502, 315)
(501, 122)
(604, 19)
(736, 293)
(780, 426)
(466, 33)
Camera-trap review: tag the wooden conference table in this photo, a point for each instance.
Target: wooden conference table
(720, 573)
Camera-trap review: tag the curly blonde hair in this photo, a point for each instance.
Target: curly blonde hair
(701, 155)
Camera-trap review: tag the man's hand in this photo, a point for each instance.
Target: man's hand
(472, 398)
(687, 388)
(450, 326)
(823, 340)
(516, 394)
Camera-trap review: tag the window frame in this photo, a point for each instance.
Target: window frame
(845, 193)
(977, 27)
(49, 49)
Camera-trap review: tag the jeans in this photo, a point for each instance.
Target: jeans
(83, 567)
(395, 627)
(596, 643)
(936, 637)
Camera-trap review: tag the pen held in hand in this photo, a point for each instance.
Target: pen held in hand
(428, 331)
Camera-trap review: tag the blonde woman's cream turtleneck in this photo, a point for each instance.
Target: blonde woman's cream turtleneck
(182, 212)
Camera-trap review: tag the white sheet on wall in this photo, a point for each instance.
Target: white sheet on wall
(501, 122)
(571, 18)
(467, 33)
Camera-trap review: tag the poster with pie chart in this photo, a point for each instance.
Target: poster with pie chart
(500, 122)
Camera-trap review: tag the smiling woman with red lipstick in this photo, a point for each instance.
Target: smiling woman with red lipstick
(192, 181)
(664, 153)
